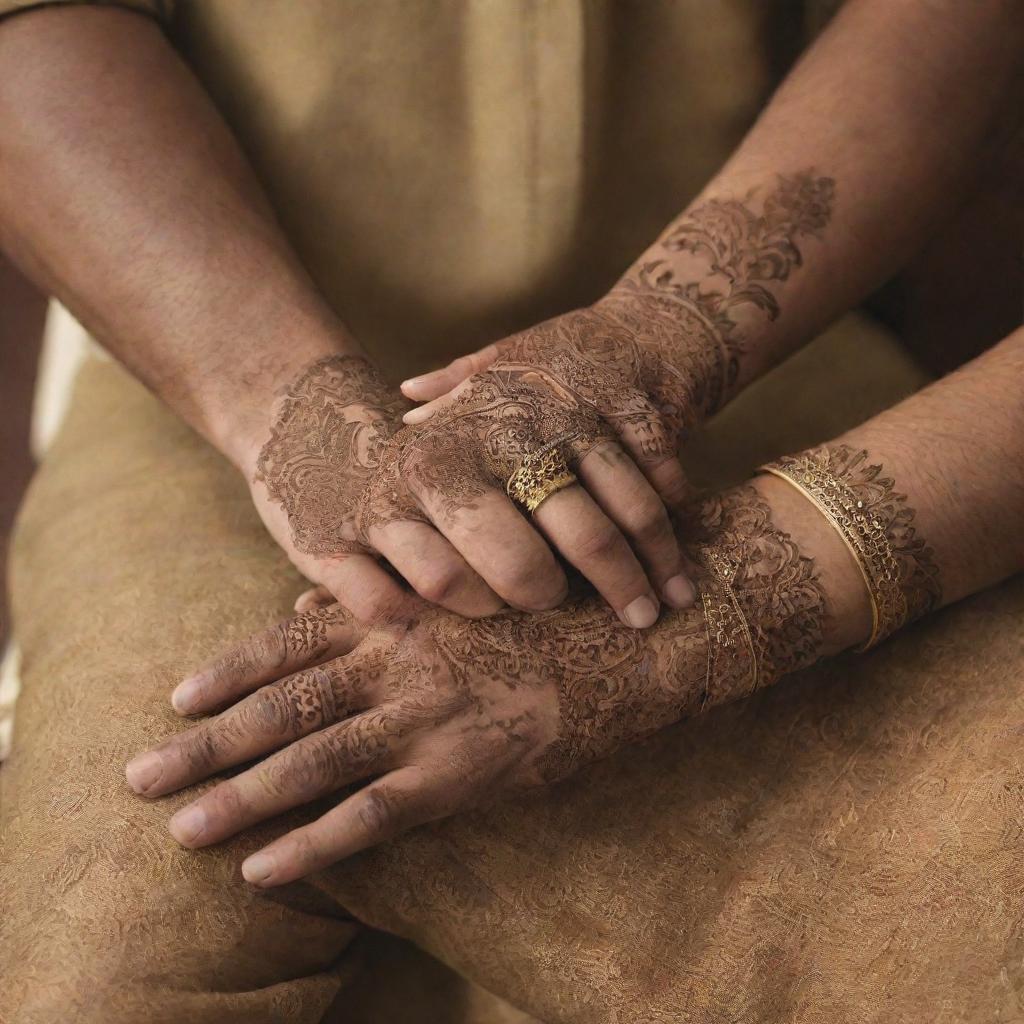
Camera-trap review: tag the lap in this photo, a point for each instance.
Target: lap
(839, 844)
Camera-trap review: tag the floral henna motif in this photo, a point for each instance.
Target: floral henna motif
(467, 711)
(307, 636)
(726, 254)
(579, 379)
(325, 443)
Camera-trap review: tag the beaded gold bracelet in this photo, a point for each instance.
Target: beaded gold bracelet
(863, 532)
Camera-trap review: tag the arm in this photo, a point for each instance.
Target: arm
(861, 150)
(123, 193)
(444, 713)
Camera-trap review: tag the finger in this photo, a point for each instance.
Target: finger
(264, 721)
(434, 569)
(508, 553)
(628, 499)
(298, 642)
(652, 445)
(306, 770)
(439, 382)
(393, 804)
(315, 597)
(587, 538)
(361, 584)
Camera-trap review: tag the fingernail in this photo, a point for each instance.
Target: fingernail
(143, 772)
(414, 416)
(186, 696)
(188, 824)
(679, 592)
(640, 613)
(413, 382)
(258, 868)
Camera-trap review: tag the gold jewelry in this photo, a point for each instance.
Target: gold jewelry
(863, 532)
(733, 663)
(540, 474)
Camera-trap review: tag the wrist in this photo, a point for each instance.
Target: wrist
(683, 340)
(846, 621)
(239, 409)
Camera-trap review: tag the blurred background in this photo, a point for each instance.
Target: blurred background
(22, 317)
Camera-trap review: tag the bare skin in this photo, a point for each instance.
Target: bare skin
(215, 313)
(435, 714)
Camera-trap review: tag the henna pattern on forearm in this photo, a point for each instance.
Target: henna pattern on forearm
(325, 443)
(726, 254)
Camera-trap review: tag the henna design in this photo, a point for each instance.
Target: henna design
(646, 364)
(555, 690)
(484, 708)
(740, 253)
(324, 445)
(581, 379)
(306, 636)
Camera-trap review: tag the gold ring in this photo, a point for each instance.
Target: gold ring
(540, 474)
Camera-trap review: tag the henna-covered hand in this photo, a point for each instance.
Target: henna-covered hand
(440, 713)
(324, 445)
(615, 388)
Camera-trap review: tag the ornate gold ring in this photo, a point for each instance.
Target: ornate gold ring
(540, 474)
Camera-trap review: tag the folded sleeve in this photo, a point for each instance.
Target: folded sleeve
(159, 9)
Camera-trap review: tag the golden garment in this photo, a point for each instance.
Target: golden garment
(842, 847)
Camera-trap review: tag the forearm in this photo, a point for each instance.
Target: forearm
(124, 194)
(878, 125)
(940, 476)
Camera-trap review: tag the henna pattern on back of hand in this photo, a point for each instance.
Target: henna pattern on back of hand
(325, 443)
(646, 364)
(606, 684)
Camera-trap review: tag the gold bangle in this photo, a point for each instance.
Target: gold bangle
(863, 533)
(733, 663)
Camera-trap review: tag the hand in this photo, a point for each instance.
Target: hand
(613, 388)
(325, 443)
(442, 713)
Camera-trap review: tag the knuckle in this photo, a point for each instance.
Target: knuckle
(264, 650)
(202, 748)
(437, 584)
(598, 543)
(265, 712)
(378, 811)
(649, 522)
(226, 804)
(305, 850)
(672, 483)
(531, 585)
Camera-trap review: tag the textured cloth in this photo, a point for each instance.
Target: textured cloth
(841, 847)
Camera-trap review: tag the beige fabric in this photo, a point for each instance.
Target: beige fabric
(840, 848)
